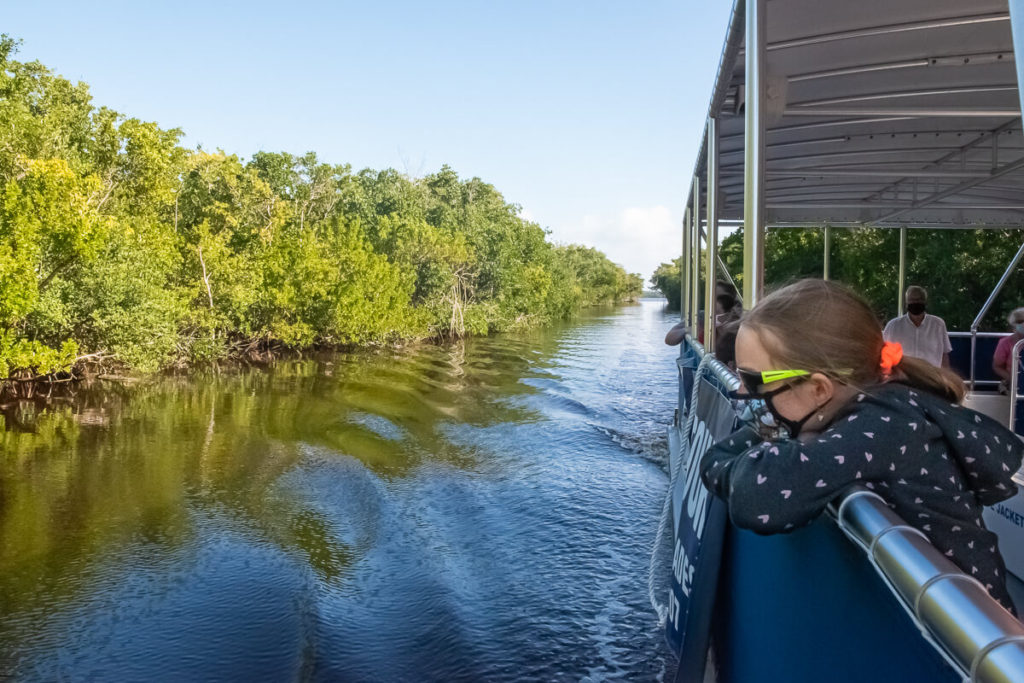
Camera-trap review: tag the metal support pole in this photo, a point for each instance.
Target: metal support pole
(988, 304)
(695, 251)
(901, 279)
(711, 250)
(684, 273)
(827, 267)
(974, 355)
(1017, 29)
(1014, 384)
(754, 151)
(724, 274)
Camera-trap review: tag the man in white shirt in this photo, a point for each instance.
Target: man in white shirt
(922, 335)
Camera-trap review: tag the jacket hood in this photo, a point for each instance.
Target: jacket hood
(987, 452)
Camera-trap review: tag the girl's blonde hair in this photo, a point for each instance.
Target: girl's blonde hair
(822, 326)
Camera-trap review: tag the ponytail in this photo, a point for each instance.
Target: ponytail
(925, 376)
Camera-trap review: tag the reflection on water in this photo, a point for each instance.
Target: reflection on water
(481, 511)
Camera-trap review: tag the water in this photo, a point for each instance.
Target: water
(476, 512)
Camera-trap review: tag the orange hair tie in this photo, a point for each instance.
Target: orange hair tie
(892, 354)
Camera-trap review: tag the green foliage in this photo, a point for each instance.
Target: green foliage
(129, 302)
(600, 281)
(17, 354)
(667, 279)
(959, 268)
(117, 241)
(48, 225)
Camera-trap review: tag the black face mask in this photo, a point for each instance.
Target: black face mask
(791, 426)
(915, 309)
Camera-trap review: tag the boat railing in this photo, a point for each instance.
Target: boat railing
(720, 370)
(988, 304)
(972, 381)
(952, 610)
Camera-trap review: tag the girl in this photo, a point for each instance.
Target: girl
(858, 412)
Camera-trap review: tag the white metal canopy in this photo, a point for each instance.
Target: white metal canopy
(876, 112)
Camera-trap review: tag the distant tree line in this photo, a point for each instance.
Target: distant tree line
(667, 279)
(959, 268)
(116, 242)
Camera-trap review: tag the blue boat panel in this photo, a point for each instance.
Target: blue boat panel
(805, 607)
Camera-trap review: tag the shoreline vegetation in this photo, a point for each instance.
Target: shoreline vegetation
(123, 253)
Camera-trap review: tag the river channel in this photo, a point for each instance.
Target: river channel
(482, 511)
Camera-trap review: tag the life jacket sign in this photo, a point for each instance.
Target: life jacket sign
(698, 537)
(1006, 519)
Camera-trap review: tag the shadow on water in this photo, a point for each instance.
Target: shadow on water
(437, 513)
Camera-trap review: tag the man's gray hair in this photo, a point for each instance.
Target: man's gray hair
(919, 291)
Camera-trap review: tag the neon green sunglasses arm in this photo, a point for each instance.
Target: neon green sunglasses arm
(769, 376)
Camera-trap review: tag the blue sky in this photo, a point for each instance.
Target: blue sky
(587, 114)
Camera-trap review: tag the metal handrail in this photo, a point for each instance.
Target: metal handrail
(954, 611)
(722, 373)
(992, 335)
(974, 336)
(1014, 382)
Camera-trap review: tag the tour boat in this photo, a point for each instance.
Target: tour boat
(832, 115)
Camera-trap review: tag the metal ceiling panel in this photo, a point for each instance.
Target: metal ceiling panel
(879, 113)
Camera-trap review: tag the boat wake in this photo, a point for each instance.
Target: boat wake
(649, 441)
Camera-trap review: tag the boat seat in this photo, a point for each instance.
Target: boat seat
(993, 404)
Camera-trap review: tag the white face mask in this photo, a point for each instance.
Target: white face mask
(1019, 327)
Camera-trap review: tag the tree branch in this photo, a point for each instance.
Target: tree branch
(206, 277)
(56, 271)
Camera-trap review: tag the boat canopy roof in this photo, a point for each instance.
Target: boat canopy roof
(877, 113)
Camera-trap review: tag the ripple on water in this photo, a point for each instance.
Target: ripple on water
(226, 607)
(475, 512)
(381, 426)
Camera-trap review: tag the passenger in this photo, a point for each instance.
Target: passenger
(727, 304)
(727, 309)
(1004, 349)
(921, 335)
(858, 411)
(725, 344)
(678, 332)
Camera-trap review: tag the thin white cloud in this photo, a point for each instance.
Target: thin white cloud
(638, 238)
